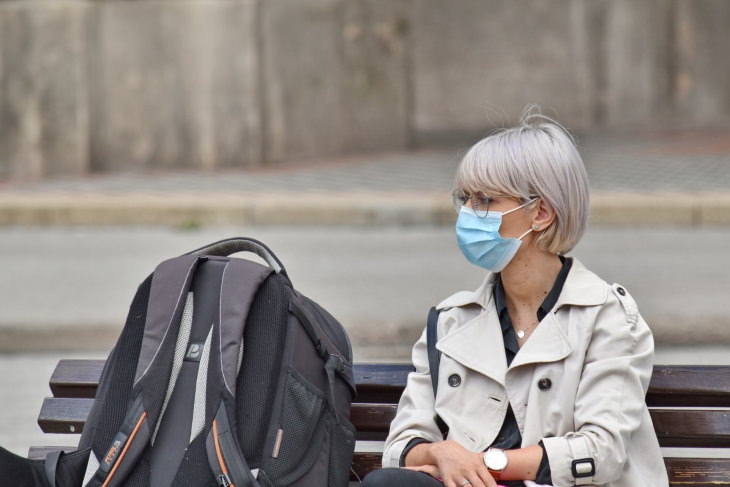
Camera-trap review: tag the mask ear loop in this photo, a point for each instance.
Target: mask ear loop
(520, 237)
(522, 206)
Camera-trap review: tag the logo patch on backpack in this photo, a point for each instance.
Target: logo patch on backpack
(114, 451)
(194, 353)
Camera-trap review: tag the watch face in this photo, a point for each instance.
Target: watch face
(495, 459)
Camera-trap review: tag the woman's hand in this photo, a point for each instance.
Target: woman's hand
(450, 462)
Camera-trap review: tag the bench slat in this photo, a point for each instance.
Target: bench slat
(689, 386)
(675, 427)
(671, 386)
(692, 427)
(76, 378)
(64, 414)
(68, 415)
(696, 472)
(372, 421)
(379, 383)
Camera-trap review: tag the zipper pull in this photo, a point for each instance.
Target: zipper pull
(224, 480)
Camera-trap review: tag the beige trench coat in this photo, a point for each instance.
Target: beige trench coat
(578, 384)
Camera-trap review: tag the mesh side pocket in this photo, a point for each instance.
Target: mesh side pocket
(342, 449)
(301, 433)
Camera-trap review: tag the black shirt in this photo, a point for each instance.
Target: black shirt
(509, 436)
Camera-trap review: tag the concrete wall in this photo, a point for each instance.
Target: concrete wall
(701, 81)
(334, 76)
(479, 65)
(174, 84)
(119, 85)
(44, 123)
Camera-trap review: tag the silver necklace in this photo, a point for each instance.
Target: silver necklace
(521, 333)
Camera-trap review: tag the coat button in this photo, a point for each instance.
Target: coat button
(544, 384)
(454, 380)
(621, 291)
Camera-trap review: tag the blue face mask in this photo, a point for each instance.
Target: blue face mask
(479, 239)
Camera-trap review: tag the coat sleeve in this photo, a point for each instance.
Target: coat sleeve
(609, 404)
(416, 416)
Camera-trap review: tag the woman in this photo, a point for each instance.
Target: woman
(543, 368)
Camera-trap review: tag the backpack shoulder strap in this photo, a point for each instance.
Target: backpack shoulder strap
(434, 356)
(434, 359)
(50, 466)
(240, 285)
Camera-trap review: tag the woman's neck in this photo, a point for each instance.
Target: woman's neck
(527, 280)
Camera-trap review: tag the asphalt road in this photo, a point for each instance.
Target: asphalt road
(74, 285)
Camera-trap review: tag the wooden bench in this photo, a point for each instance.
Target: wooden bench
(690, 407)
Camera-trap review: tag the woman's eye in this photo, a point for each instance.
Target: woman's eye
(484, 200)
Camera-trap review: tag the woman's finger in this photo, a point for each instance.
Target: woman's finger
(466, 481)
(432, 470)
(474, 481)
(486, 478)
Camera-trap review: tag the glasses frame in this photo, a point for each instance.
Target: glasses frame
(460, 198)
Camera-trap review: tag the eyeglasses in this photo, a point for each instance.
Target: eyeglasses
(479, 201)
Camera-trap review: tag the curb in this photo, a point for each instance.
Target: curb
(358, 209)
(661, 208)
(668, 332)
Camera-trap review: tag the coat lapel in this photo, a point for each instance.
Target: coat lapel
(547, 343)
(478, 345)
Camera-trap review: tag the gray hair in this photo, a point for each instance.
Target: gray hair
(538, 157)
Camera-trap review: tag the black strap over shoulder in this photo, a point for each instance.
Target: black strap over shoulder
(434, 358)
(51, 464)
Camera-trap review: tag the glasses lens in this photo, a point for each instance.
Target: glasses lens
(480, 203)
(460, 198)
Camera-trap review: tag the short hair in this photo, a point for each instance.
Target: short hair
(538, 157)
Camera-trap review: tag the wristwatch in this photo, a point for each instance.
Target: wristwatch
(496, 461)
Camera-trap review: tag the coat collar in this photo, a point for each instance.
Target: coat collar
(582, 288)
(548, 342)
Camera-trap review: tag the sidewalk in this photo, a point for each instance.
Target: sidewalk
(639, 178)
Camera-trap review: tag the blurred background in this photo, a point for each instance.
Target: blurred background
(110, 86)
(134, 130)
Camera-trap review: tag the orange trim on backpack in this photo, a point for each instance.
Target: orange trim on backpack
(218, 451)
(126, 447)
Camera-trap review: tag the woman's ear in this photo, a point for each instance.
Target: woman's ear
(544, 216)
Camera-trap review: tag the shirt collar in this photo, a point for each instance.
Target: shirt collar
(552, 297)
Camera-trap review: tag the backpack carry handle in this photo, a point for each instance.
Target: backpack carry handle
(225, 248)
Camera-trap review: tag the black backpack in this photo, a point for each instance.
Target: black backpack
(223, 375)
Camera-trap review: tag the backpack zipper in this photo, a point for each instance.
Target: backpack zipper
(223, 479)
